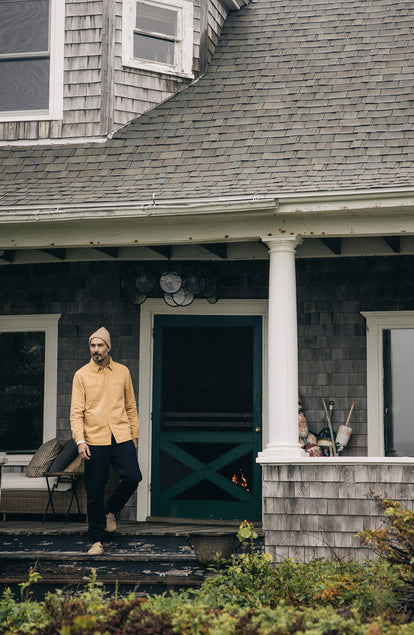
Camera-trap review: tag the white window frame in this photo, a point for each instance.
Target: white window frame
(47, 323)
(56, 48)
(183, 45)
(148, 311)
(377, 322)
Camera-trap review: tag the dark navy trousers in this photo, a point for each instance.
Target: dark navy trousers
(123, 458)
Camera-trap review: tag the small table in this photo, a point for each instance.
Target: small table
(62, 477)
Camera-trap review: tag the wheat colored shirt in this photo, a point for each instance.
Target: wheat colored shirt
(103, 403)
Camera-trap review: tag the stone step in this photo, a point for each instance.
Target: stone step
(139, 557)
(142, 571)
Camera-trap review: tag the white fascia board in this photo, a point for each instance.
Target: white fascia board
(373, 201)
(230, 219)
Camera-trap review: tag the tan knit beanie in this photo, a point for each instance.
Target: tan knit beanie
(103, 334)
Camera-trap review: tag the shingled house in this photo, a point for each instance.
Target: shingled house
(227, 186)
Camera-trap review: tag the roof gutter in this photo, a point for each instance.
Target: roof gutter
(150, 209)
(235, 5)
(309, 204)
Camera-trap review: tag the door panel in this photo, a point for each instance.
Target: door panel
(207, 417)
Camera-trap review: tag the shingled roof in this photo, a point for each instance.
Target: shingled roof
(300, 96)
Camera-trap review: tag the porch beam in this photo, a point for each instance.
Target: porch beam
(7, 255)
(162, 250)
(334, 244)
(218, 249)
(394, 242)
(60, 254)
(113, 252)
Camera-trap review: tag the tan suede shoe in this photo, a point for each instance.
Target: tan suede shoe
(96, 549)
(110, 523)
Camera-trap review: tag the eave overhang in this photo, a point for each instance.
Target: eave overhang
(321, 215)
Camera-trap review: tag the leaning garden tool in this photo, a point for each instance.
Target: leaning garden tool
(330, 425)
(344, 433)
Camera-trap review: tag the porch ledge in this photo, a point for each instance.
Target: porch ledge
(340, 460)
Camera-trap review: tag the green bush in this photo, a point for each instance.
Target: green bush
(247, 596)
(395, 541)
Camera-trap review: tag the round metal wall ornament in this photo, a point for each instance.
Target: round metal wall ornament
(183, 297)
(209, 287)
(170, 282)
(169, 299)
(194, 283)
(145, 282)
(136, 298)
(127, 284)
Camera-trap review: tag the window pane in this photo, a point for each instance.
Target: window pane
(398, 353)
(24, 26)
(21, 391)
(24, 84)
(156, 19)
(153, 49)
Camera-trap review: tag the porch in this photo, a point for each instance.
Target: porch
(313, 314)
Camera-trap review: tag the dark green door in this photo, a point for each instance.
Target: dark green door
(207, 417)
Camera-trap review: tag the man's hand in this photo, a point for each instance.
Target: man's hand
(84, 451)
(135, 443)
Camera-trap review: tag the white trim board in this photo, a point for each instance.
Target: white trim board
(149, 310)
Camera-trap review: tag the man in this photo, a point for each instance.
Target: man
(104, 422)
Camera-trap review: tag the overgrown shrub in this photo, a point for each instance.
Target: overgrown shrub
(395, 541)
(247, 596)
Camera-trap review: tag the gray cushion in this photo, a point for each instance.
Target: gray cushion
(42, 460)
(76, 466)
(68, 453)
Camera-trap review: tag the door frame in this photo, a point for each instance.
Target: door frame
(148, 310)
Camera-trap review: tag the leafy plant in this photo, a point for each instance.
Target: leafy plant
(251, 596)
(395, 541)
(21, 614)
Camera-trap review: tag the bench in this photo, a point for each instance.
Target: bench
(21, 494)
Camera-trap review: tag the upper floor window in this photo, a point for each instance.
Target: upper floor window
(158, 35)
(31, 59)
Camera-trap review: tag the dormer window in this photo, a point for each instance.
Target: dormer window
(31, 59)
(158, 36)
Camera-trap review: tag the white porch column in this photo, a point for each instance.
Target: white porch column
(282, 349)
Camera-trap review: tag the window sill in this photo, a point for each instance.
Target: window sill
(157, 69)
(35, 115)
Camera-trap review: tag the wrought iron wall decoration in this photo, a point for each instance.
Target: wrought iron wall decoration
(176, 287)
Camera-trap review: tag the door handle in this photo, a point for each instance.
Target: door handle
(257, 429)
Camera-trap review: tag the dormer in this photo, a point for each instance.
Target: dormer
(78, 71)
